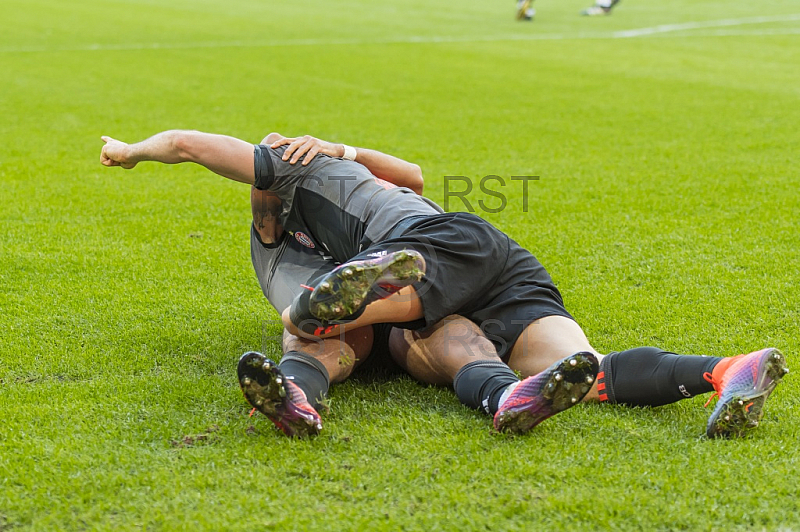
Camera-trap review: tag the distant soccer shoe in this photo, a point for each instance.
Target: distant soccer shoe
(598, 10)
(524, 10)
(562, 385)
(353, 285)
(271, 393)
(743, 384)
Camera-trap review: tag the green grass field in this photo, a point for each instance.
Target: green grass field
(665, 138)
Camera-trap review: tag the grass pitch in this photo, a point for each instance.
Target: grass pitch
(664, 138)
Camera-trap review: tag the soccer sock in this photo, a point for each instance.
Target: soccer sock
(648, 376)
(480, 384)
(308, 374)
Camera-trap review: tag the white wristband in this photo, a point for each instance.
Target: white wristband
(349, 153)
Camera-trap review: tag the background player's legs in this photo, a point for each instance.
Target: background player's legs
(600, 8)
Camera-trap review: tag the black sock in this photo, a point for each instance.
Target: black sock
(480, 384)
(308, 374)
(648, 376)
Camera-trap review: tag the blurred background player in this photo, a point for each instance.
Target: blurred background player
(525, 10)
(600, 8)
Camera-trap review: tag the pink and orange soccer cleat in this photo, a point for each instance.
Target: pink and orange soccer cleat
(271, 393)
(743, 384)
(562, 385)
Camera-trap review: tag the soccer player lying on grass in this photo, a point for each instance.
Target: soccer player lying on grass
(472, 270)
(282, 263)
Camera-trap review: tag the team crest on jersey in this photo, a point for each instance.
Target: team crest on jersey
(304, 239)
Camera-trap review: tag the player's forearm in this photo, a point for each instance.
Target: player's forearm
(227, 156)
(395, 170)
(166, 147)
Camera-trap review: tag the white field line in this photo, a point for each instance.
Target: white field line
(667, 30)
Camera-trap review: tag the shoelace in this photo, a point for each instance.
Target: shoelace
(710, 379)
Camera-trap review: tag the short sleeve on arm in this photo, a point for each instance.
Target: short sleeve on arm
(264, 169)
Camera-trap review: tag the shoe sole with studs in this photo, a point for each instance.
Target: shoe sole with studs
(350, 287)
(559, 387)
(266, 389)
(742, 412)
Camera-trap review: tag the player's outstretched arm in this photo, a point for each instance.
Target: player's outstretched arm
(387, 167)
(224, 155)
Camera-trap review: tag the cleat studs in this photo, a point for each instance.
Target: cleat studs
(325, 286)
(589, 379)
(282, 391)
(558, 377)
(776, 356)
(318, 426)
(785, 371)
(740, 402)
(246, 381)
(574, 400)
(266, 367)
(727, 418)
(336, 309)
(359, 269)
(573, 362)
(347, 272)
(278, 381)
(259, 401)
(752, 423)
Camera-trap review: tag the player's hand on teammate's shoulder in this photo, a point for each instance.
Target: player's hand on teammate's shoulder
(114, 153)
(308, 146)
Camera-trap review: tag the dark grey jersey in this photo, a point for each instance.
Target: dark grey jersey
(335, 206)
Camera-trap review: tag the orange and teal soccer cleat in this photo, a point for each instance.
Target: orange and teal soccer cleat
(562, 385)
(743, 384)
(354, 285)
(271, 393)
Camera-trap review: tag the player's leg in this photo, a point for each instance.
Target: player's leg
(292, 392)
(402, 306)
(649, 376)
(600, 8)
(525, 10)
(283, 391)
(455, 352)
(645, 376)
(360, 292)
(547, 340)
